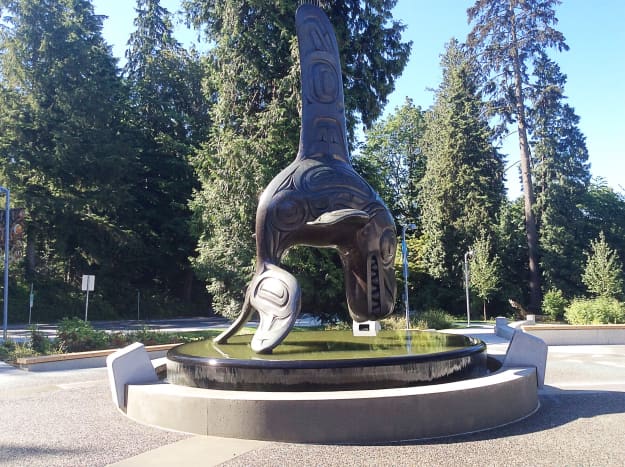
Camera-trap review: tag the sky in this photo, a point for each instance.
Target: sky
(594, 65)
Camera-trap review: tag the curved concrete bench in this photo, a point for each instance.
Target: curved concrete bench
(566, 334)
(381, 415)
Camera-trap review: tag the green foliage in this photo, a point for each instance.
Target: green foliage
(603, 274)
(393, 162)
(430, 319)
(320, 276)
(10, 351)
(76, 335)
(434, 319)
(462, 189)
(561, 176)
(600, 310)
(484, 269)
(169, 115)
(554, 304)
(506, 36)
(253, 72)
(39, 341)
(6, 349)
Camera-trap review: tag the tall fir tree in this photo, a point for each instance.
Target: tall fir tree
(507, 35)
(61, 126)
(170, 115)
(256, 117)
(562, 177)
(462, 189)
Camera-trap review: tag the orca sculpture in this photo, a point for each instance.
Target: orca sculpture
(319, 200)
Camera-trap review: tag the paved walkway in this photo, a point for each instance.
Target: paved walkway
(67, 418)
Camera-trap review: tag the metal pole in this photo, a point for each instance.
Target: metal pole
(467, 255)
(7, 232)
(31, 299)
(87, 302)
(404, 254)
(138, 303)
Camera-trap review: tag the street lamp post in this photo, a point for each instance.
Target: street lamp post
(7, 231)
(467, 277)
(404, 255)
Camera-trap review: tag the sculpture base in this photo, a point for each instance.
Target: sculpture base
(374, 416)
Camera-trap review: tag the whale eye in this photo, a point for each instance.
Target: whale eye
(388, 243)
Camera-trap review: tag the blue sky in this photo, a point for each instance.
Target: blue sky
(595, 66)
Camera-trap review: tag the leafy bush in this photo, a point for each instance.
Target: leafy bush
(600, 310)
(39, 342)
(393, 322)
(435, 319)
(76, 335)
(6, 348)
(554, 304)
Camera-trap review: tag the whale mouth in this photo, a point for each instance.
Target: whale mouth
(375, 291)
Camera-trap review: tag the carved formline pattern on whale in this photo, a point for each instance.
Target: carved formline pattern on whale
(325, 135)
(319, 200)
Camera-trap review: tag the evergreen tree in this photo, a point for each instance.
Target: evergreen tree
(255, 72)
(506, 35)
(562, 177)
(462, 189)
(511, 245)
(170, 115)
(393, 162)
(61, 125)
(603, 274)
(604, 211)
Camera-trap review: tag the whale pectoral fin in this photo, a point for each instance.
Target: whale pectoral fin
(276, 295)
(246, 313)
(341, 217)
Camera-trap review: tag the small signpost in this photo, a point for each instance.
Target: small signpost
(88, 283)
(31, 301)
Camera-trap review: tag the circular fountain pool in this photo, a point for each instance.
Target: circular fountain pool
(329, 360)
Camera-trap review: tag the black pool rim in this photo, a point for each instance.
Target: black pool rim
(331, 374)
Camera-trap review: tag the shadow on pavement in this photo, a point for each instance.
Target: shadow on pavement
(556, 409)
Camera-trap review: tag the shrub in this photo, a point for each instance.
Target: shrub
(393, 322)
(76, 335)
(39, 342)
(600, 310)
(434, 319)
(554, 304)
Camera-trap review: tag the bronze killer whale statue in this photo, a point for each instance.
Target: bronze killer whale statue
(319, 200)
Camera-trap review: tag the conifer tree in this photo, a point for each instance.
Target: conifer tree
(562, 177)
(61, 126)
(255, 133)
(507, 35)
(462, 189)
(603, 274)
(170, 115)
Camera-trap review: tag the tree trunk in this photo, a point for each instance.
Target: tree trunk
(531, 230)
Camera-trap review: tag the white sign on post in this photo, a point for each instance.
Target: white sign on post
(88, 283)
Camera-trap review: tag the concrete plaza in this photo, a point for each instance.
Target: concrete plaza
(67, 418)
